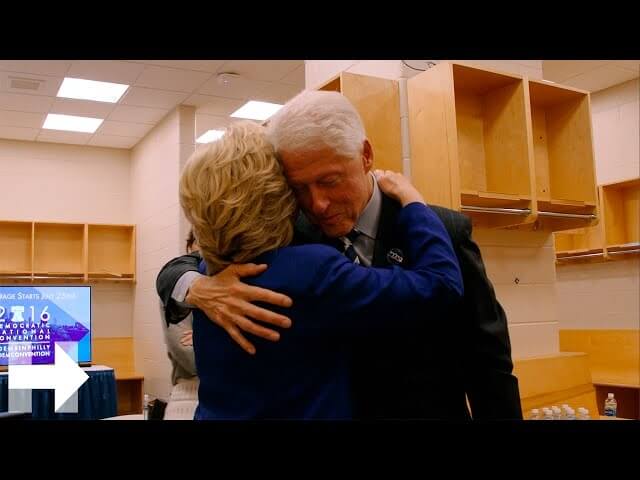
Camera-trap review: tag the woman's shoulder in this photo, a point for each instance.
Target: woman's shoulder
(309, 254)
(294, 268)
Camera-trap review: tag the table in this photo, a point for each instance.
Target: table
(97, 397)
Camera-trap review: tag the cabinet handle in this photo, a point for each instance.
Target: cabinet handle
(584, 255)
(589, 216)
(623, 252)
(507, 211)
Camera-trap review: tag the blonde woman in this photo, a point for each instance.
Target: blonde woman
(237, 199)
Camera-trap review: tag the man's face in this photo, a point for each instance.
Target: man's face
(332, 190)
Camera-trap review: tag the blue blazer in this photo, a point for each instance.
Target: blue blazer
(306, 375)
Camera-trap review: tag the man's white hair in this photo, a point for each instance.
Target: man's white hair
(313, 120)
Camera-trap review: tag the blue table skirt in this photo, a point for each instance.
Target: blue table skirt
(97, 398)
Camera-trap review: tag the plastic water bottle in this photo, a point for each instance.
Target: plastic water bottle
(548, 414)
(571, 414)
(555, 411)
(535, 414)
(145, 408)
(610, 406)
(583, 414)
(564, 411)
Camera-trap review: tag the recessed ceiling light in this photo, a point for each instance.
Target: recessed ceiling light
(91, 90)
(71, 123)
(256, 110)
(210, 136)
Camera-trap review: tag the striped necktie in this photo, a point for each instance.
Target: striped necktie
(348, 249)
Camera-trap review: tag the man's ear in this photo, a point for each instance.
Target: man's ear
(367, 156)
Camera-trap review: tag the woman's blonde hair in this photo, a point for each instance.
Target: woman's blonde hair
(235, 195)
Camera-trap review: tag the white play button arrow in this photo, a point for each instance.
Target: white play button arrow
(65, 377)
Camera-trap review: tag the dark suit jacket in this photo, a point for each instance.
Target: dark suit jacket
(467, 355)
(427, 374)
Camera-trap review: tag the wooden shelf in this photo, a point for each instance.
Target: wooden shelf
(111, 251)
(555, 379)
(621, 217)
(563, 151)
(117, 352)
(66, 252)
(614, 356)
(16, 248)
(506, 150)
(377, 100)
(580, 245)
(470, 147)
(14, 273)
(615, 237)
(58, 247)
(59, 274)
(129, 376)
(111, 275)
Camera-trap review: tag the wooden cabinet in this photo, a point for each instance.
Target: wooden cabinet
(111, 251)
(564, 161)
(556, 379)
(506, 150)
(118, 353)
(470, 143)
(377, 100)
(614, 356)
(616, 236)
(66, 252)
(16, 250)
(583, 244)
(59, 251)
(621, 217)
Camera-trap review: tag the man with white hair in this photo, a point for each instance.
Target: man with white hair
(430, 371)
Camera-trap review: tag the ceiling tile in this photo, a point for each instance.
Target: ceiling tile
(278, 93)
(47, 86)
(239, 88)
(106, 71)
(18, 133)
(560, 70)
(216, 122)
(198, 100)
(296, 77)
(126, 113)
(148, 97)
(25, 103)
(57, 136)
(55, 68)
(113, 141)
(21, 119)
(210, 105)
(211, 122)
(210, 66)
(601, 78)
(83, 108)
(171, 79)
(124, 129)
(264, 70)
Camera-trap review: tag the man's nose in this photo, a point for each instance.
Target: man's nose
(319, 202)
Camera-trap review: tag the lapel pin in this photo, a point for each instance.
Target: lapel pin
(395, 256)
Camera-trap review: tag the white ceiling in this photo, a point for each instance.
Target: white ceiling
(590, 75)
(157, 86)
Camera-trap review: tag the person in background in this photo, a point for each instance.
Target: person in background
(178, 336)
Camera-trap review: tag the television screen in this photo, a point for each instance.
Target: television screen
(34, 318)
